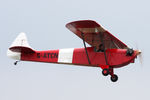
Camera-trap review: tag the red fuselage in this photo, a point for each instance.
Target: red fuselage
(77, 56)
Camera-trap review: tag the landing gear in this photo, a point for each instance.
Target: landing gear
(15, 63)
(114, 78)
(109, 71)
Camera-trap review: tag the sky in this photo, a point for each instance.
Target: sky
(44, 22)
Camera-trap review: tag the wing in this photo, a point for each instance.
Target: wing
(94, 34)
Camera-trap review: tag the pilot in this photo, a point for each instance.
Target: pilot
(99, 48)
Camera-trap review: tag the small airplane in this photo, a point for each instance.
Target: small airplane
(106, 51)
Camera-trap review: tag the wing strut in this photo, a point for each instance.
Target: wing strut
(85, 48)
(102, 41)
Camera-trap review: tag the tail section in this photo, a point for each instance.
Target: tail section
(20, 45)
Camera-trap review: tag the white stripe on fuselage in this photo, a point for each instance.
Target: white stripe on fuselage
(65, 55)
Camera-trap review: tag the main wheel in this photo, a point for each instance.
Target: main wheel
(105, 72)
(114, 78)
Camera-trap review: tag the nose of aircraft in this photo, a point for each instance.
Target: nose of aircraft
(138, 52)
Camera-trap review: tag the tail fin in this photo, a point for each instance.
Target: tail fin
(20, 45)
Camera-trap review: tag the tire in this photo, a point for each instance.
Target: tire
(114, 78)
(105, 72)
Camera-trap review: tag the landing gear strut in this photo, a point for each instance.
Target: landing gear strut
(107, 70)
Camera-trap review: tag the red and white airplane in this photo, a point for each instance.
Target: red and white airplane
(106, 51)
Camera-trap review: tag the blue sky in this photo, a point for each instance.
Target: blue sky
(44, 23)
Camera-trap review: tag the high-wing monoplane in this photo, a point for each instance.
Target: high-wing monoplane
(105, 51)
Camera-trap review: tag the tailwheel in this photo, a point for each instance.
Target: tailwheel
(114, 78)
(105, 72)
(15, 63)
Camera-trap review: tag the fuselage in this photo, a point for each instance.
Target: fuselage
(77, 56)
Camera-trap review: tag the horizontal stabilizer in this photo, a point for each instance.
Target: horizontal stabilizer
(21, 49)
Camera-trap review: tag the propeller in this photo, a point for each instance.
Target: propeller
(140, 56)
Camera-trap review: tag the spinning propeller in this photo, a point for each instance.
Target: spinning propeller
(140, 56)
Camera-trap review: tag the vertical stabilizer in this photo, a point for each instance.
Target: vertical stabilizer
(21, 40)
